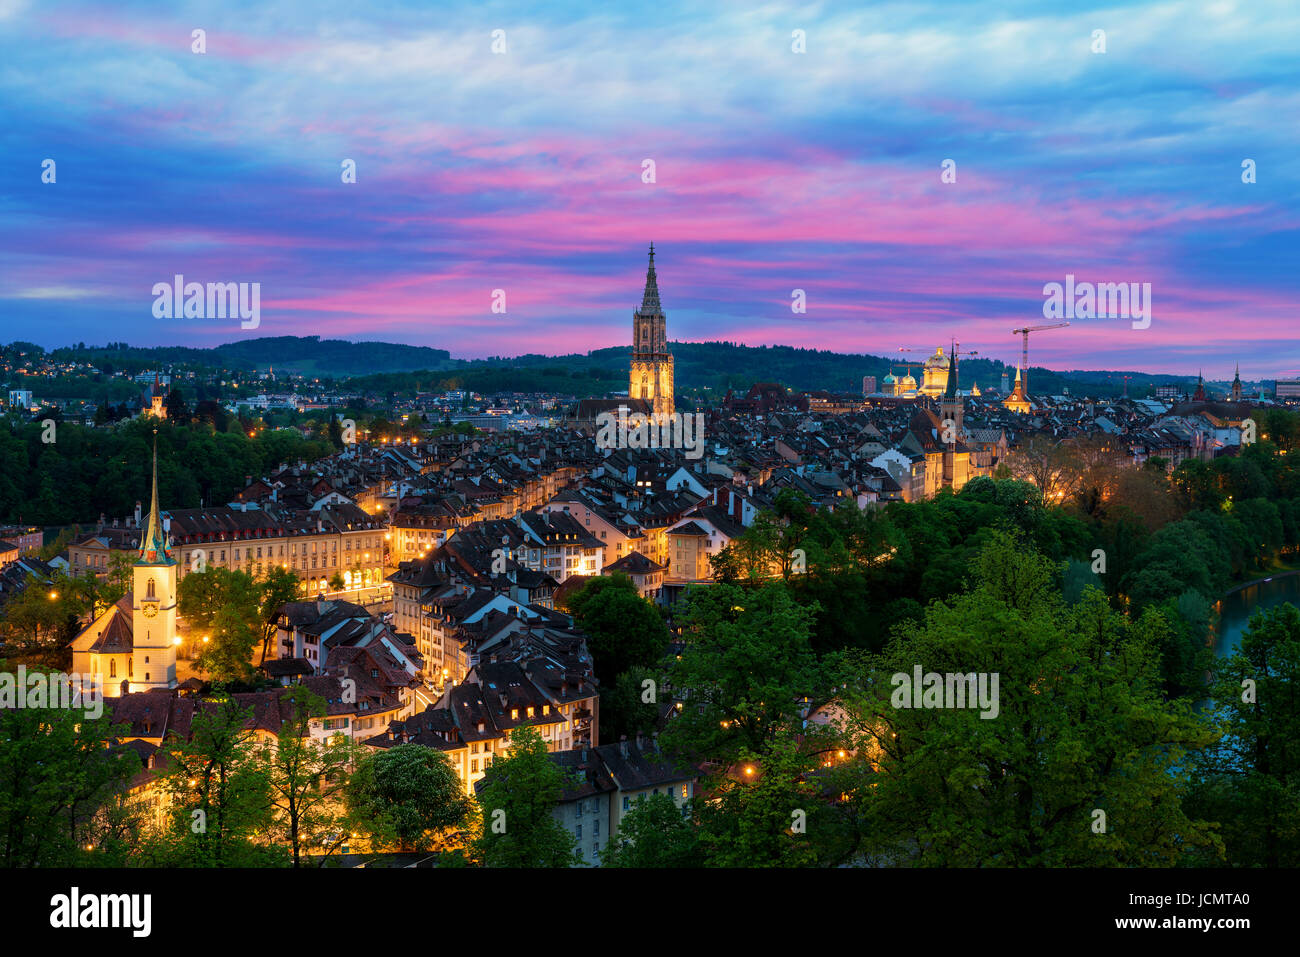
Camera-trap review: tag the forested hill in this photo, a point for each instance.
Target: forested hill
(309, 355)
(718, 365)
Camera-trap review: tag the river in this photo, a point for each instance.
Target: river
(1237, 607)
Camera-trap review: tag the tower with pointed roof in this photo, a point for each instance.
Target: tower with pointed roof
(153, 602)
(1199, 394)
(651, 374)
(1017, 401)
(951, 409)
(1236, 384)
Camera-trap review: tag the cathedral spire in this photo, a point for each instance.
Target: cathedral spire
(153, 544)
(650, 299)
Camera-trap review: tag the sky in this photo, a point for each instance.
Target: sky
(523, 169)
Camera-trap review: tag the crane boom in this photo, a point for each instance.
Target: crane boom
(1024, 349)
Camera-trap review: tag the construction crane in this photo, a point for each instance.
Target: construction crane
(909, 366)
(1024, 350)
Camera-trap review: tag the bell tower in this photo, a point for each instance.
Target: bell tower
(651, 375)
(153, 607)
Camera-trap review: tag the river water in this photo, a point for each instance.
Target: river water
(1236, 608)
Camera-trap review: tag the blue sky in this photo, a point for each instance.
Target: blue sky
(522, 170)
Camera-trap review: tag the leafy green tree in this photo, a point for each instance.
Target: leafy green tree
(407, 796)
(277, 589)
(56, 770)
(757, 816)
(745, 672)
(1249, 782)
(231, 609)
(38, 622)
(517, 800)
(622, 628)
(1077, 730)
(654, 833)
(306, 778)
(220, 799)
(624, 708)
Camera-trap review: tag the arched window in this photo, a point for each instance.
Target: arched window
(149, 589)
(112, 667)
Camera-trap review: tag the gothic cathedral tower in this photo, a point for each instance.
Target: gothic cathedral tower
(153, 618)
(651, 375)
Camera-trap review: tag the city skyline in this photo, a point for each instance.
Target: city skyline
(522, 170)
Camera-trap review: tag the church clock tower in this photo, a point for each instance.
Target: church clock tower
(153, 612)
(651, 376)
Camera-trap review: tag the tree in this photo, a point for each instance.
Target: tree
(277, 589)
(758, 815)
(177, 411)
(227, 607)
(622, 628)
(306, 778)
(744, 673)
(43, 617)
(117, 580)
(632, 705)
(1079, 761)
(516, 800)
(218, 791)
(408, 796)
(57, 770)
(1249, 782)
(654, 833)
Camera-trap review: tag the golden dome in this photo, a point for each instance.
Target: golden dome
(938, 360)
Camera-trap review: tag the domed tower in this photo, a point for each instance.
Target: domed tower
(651, 374)
(935, 375)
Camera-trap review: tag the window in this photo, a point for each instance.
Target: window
(473, 766)
(149, 589)
(577, 832)
(595, 828)
(473, 748)
(627, 802)
(514, 714)
(112, 668)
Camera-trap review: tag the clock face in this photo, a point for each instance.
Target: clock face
(149, 609)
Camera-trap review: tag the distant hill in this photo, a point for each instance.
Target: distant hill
(723, 365)
(388, 367)
(308, 355)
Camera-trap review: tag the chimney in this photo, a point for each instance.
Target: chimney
(248, 480)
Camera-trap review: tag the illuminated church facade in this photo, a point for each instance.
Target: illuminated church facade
(651, 374)
(131, 645)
